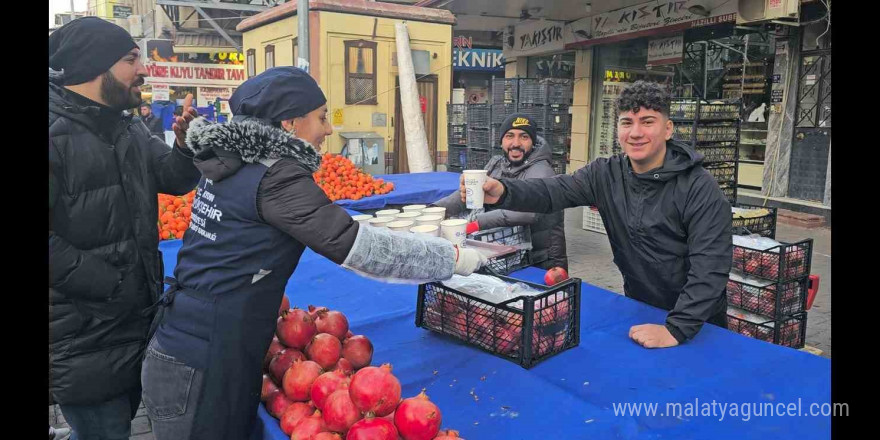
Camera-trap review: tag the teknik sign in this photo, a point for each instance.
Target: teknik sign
(485, 60)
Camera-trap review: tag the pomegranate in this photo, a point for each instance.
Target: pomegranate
(313, 311)
(269, 388)
(282, 361)
(559, 341)
(555, 275)
(448, 435)
(285, 304)
(372, 428)
(457, 325)
(481, 330)
(326, 384)
(277, 404)
(340, 412)
(325, 349)
(344, 365)
(417, 418)
(332, 322)
(507, 338)
(451, 304)
(294, 413)
(274, 348)
(375, 389)
(298, 380)
(348, 334)
(327, 436)
(295, 328)
(308, 427)
(358, 350)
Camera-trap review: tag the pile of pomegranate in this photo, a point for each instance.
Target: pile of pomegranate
(765, 264)
(319, 383)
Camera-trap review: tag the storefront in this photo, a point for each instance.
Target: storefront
(473, 69)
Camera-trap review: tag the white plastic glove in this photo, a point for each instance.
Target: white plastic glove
(469, 260)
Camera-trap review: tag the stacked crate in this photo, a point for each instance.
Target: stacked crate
(713, 130)
(456, 158)
(479, 142)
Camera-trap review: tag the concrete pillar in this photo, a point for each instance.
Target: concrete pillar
(580, 109)
(780, 125)
(517, 67)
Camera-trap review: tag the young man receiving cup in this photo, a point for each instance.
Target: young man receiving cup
(526, 155)
(668, 222)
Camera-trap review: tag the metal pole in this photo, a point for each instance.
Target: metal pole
(302, 12)
(72, 10)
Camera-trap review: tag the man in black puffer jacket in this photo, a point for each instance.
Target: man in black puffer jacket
(667, 220)
(105, 270)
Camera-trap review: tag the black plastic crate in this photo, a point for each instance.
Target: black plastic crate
(558, 162)
(714, 153)
(496, 135)
(534, 112)
(454, 168)
(786, 262)
(457, 134)
(510, 236)
(723, 172)
(456, 114)
(478, 115)
(773, 300)
(560, 91)
(477, 158)
(525, 330)
(457, 156)
(763, 225)
(500, 112)
(479, 138)
(505, 90)
(790, 331)
(560, 143)
(686, 109)
(532, 91)
(716, 132)
(729, 191)
(556, 119)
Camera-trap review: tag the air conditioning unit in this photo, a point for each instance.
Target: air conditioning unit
(136, 25)
(749, 11)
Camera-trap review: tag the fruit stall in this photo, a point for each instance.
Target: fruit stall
(446, 385)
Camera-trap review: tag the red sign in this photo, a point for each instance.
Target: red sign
(197, 74)
(424, 102)
(462, 42)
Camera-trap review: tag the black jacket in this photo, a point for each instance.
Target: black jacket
(154, 124)
(105, 172)
(548, 230)
(669, 229)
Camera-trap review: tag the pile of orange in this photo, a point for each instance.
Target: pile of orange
(174, 215)
(340, 179)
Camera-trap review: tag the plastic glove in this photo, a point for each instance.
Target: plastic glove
(472, 227)
(468, 261)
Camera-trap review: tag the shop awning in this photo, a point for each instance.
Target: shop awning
(193, 42)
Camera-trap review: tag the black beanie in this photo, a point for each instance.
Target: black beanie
(87, 47)
(276, 95)
(521, 122)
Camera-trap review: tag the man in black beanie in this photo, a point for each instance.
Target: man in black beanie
(105, 270)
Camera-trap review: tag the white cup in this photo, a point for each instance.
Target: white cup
(429, 220)
(435, 210)
(362, 218)
(380, 222)
(411, 216)
(473, 188)
(414, 208)
(429, 230)
(401, 225)
(387, 213)
(454, 230)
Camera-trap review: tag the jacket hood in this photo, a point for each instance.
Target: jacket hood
(541, 152)
(222, 149)
(680, 157)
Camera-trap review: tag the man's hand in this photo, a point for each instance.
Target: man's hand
(652, 336)
(492, 190)
(181, 123)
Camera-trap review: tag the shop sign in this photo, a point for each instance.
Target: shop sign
(618, 75)
(161, 92)
(538, 37)
(207, 95)
(121, 11)
(462, 42)
(194, 74)
(775, 96)
(665, 51)
(491, 60)
(777, 78)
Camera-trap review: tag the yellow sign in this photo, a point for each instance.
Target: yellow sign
(337, 117)
(521, 122)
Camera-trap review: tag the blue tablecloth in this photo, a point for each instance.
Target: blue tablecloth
(412, 188)
(573, 394)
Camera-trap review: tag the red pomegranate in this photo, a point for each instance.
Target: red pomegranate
(448, 435)
(274, 348)
(457, 325)
(325, 349)
(313, 311)
(298, 380)
(507, 338)
(340, 412)
(375, 389)
(285, 304)
(555, 275)
(308, 427)
(282, 361)
(277, 404)
(417, 418)
(269, 388)
(480, 330)
(327, 436)
(344, 365)
(295, 328)
(450, 304)
(332, 322)
(358, 350)
(372, 428)
(326, 384)
(348, 334)
(294, 413)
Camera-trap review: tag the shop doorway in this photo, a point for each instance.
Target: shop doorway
(427, 88)
(810, 148)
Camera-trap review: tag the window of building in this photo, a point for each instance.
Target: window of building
(251, 62)
(270, 56)
(360, 72)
